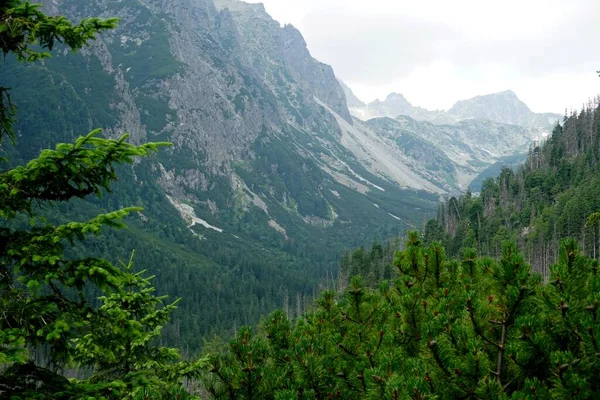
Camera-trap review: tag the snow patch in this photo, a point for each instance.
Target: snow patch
(395, 217)
(345, 180)
(189, 215)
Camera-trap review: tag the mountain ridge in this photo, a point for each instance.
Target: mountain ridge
(502, 107)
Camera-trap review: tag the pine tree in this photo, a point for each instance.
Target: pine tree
(478, 328)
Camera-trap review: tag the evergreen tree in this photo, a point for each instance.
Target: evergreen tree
(43, 302)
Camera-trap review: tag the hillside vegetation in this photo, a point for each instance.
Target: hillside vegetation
(548, 198)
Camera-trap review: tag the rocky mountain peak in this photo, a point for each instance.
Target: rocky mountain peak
(280, 54)
(293, 37)
(504, 107)
(395, 104)
(396, 97)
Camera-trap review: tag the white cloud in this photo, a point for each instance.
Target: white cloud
(437, 51)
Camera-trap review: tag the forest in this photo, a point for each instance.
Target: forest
(497, 298)
(551, 196)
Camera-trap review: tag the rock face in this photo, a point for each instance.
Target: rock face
(452, 155)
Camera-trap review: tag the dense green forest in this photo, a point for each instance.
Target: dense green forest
(548, 198)
(474, 328)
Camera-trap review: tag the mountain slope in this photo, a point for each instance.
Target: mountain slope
(452, 155)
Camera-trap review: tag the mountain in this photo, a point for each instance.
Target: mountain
(478, 136)
(395, 104)
(263, 188)
(504, 107)
(451, 156)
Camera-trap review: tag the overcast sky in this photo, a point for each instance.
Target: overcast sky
(436, 52)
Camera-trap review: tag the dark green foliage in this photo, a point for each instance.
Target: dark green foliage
(46, 289)
(478, 328)
(24, 30)
(513, 161)
(549, 197)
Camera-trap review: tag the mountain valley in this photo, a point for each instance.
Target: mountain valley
(270, 177)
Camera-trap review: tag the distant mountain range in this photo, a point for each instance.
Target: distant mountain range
(503, 107)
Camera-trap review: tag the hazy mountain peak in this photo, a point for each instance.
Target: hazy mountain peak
(505, 107)
(395, 104)
(394, 96)
(292, 33)
(506, 98)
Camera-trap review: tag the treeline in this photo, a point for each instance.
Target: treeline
(546, 199)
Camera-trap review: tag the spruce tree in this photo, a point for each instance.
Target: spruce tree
(43, 301)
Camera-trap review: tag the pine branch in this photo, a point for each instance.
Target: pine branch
(476, 326)
(501, 353)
